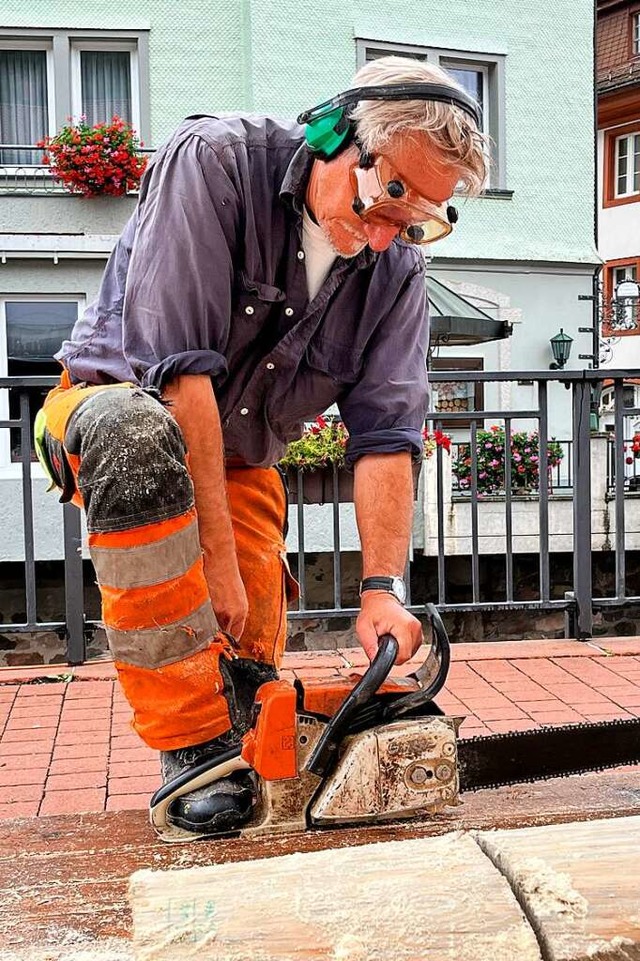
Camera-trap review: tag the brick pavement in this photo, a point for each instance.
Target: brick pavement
(67, 747)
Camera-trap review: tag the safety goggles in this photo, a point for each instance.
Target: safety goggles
(382, 198)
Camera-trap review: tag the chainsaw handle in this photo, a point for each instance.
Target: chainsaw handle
(373, 678)
(431, 674)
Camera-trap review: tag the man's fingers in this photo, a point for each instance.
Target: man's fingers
(368, 637)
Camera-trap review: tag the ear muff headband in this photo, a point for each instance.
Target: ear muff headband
(329, 128)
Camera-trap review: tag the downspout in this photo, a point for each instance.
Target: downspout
(595, 335)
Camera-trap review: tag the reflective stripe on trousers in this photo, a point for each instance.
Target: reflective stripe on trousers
(120, 455)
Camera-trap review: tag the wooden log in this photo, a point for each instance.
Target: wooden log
(433, 898)
(579, 885)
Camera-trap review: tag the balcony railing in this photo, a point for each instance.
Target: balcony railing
(23, 173)
(565, 514)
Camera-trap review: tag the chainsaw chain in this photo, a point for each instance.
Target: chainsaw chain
(515, 736)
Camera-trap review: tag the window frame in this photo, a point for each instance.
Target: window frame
(607, 290)
(495, 107)
(634, 32)
(78, 299)
(62, 41)
(105, 46)
(610, 179)
(30, 43)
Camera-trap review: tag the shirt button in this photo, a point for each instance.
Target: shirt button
(301, 255)
(248, 310)
(271, 366)
(288, 311)
(244, 411)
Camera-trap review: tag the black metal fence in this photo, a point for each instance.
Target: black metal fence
(579, 603)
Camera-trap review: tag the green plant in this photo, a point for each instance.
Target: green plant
(323, 444)
(103, 159)
(525, 458)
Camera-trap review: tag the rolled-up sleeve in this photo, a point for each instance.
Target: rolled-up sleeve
(385, 410)
(177, 306)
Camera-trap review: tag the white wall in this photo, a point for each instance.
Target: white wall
(618, 239)
(618, 227)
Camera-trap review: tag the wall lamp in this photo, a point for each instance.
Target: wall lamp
(561, 347)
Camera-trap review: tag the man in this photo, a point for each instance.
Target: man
(257, 283)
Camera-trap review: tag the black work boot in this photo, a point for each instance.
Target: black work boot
(222, 806)
(242, 678)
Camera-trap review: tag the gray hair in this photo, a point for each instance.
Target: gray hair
(451, 129)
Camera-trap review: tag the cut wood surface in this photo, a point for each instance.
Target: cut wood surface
(64, 879)
(438, 898)
(579, 884)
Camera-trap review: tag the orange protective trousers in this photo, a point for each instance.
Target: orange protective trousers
(156, 608)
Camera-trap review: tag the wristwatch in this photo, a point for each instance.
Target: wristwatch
(392, 585)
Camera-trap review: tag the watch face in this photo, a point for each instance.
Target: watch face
(399, 588)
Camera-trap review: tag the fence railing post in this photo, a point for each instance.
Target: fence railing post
(582, 577)
(73, 585)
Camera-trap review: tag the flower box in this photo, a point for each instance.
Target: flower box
(318, 486)
(95, 161)
(317, 459)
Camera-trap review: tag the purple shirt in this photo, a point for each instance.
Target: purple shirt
(208, 277)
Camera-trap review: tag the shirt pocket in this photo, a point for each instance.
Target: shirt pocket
(256, 300)
(343, 364)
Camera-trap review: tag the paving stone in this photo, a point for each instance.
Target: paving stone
(437, 898)
(578, 884)
(73, 802)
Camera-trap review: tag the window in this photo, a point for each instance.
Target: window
(623, 317)
(457, 396)
(104, 77)
(475, 80)
(481, 75)
(622, 165)
(635, 34)
(627, 165)
(47, 76)
(26, 98)
(31, 331)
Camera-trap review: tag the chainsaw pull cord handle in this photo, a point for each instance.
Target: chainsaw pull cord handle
(326, 750)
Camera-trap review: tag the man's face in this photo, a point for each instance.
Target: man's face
(331, 193)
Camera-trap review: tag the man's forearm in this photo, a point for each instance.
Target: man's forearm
(384, 511)
(193, 405)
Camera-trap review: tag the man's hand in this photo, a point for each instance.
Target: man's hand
(382, 614)
(228, 596)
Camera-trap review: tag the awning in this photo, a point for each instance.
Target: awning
(457, 323)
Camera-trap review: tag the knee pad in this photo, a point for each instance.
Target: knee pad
(132, 460)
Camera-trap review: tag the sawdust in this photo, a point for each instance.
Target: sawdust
(105, 949)
(618, 949)
(552, 891)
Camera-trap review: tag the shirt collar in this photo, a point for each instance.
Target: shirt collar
(293, 192)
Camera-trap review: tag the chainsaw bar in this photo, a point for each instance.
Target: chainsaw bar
(537, 755)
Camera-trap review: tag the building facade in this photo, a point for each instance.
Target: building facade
(618, 90)
(523, 252)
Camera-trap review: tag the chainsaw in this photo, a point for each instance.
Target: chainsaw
(369, 749)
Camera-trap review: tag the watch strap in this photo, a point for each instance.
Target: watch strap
(377, 584)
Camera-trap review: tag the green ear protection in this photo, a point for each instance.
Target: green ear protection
(330, 129)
